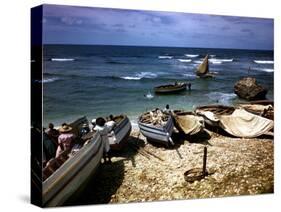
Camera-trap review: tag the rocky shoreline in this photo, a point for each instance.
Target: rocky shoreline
(237, 166)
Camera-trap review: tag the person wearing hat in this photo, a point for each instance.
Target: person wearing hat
(65, 139)
(103, 130)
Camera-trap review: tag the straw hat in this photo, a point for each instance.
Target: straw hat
(65, 128)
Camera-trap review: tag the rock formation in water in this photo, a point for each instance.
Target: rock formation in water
(247, 88)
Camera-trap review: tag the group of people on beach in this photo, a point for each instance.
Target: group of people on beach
(55, 141)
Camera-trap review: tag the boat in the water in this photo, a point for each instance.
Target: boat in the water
(157, 126)
(244, 124)
(188, 122)
(63, 176)
(202, 70)
(170, 88)
(121, 131)
(210, 113)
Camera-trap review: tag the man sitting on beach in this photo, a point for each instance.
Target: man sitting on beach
(103, 130)
(66, 139)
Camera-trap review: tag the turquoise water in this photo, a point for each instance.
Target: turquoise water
(101, 80)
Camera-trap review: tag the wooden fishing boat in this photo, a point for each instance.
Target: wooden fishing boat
(64, 175)
(244, 124)
(160, 132)
(264, 108)
(188, 122)
(202, 70)
(121, 131)
(210, 113)
(170, 88)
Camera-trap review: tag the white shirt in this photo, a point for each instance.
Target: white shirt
(110, 124)
(104, 136)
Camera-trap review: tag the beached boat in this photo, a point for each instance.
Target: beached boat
(264, 108)
(210, 113)
(64, 175)
(244, 124)
(188, 122)
(155, 130)
(170, 88)
(121, 131)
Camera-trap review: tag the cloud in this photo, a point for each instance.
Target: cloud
(98, 25)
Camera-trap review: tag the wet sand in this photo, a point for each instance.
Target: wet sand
(237, 166)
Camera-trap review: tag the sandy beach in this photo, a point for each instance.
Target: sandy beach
(237, 166)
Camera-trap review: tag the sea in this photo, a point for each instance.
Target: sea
(99, 80)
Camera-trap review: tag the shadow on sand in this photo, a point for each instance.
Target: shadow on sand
(109, 177)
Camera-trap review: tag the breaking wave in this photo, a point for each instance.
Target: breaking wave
(192, 55)
(62, 59)
(185, 60)
(141, 75)
(222, 98)
(268, 70)
(47, 80)
(264, 61)
(165, 57)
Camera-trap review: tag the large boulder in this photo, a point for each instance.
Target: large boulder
(247, 88)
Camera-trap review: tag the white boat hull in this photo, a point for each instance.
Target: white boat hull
(158, 134)
(65, 181)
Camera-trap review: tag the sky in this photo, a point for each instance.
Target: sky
(89, 25)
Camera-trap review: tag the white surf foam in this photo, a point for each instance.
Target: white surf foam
(189, 75)
(149, 96)
(192, 55)
(147, 75)
(165, 57)
(222, 98)
(264, 61)
(131, 78)
(185, 60)
(269, 70)
(212, 55)
(214, 60)
(47, 80)
(62, 59)
(198, 61)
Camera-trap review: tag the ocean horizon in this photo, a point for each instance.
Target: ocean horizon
(99, 80)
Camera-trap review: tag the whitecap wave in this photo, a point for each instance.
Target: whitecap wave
(140, 75)
(198, 61)
(212, 55)
(146, 75)
(189, 75)
(47, 80)
(264, 61)
(62, 59)
(192, 55)
(131, 78)
(215, 60)
(165, 57)
(185, 60)
(269, 70)
(149, 96)
(222, 98)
